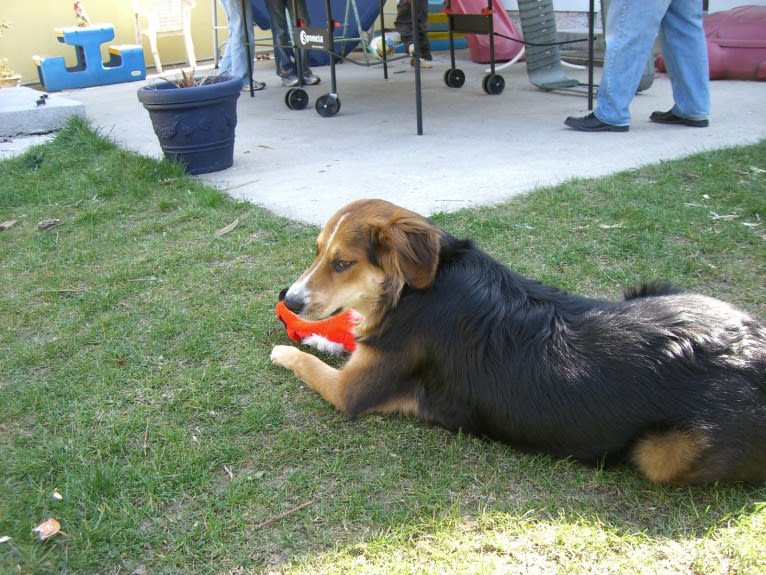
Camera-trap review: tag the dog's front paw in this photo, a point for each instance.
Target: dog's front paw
(284, 355)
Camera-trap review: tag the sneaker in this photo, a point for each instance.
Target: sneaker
(256, 86)
(591, 123)
(670, 118)
(310, 80)
(290, 81)
(423, 62)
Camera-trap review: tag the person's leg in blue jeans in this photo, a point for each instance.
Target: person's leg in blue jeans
(631, 28)
(234, 59)
(303, 14)
(280, 34)
(684, 49)
(284, 55)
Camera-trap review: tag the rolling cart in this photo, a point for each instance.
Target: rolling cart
(482, 23)
(328, 105)
(312, 38)
(317, 39)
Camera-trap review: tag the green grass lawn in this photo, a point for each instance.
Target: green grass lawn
(139, 408)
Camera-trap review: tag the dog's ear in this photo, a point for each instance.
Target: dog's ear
(407, 247)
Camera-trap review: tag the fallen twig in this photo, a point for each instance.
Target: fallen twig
(725, 218)
(281, 516)
(242, 185)
(146, 437)
(77, 290)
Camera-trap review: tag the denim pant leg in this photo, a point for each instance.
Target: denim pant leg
(234, 59)
(284, 55)
(303, 14)
(233, 21)
(280, 34)
(684, 49)
(631, 27)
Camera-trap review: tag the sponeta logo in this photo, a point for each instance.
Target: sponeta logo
(307, 38)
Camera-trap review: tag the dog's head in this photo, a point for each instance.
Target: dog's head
(365, 255)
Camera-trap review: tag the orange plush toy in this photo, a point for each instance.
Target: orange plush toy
(333, 335)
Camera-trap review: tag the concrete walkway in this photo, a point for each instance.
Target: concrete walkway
(476, 149)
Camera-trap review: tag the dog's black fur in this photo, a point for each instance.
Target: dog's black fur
(662, 374)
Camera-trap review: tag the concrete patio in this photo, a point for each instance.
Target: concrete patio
(475, 149)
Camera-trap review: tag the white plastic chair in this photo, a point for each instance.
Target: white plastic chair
(157, 18)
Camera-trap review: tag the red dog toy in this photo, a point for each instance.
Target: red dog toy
(332, 335)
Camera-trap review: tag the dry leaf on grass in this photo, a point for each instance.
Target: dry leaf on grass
(47, 224)
(227, 229)
(4, 539)
(47, 529)
(7, 225)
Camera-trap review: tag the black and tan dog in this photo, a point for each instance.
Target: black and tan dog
(674, 382)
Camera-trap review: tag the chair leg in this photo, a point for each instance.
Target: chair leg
(190, 56)
(155, 52)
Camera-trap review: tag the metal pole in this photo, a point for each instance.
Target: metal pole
(591, 32)
(383, 40)
(416, 44)
(248, 53)
(331, 39)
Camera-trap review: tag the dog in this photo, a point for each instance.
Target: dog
(672, 382)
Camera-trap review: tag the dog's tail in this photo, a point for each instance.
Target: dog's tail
(651, 289)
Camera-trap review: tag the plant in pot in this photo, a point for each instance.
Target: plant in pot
(194, 119)
(8, 78)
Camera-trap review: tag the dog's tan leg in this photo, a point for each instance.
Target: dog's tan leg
(314, 372)
(354, 389)
(670, 456)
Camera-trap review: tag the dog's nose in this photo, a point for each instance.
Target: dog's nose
(294, 302)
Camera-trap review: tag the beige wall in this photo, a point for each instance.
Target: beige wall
(34, 20)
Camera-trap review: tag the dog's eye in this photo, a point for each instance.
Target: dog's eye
(341, 265)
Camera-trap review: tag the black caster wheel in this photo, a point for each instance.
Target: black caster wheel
(454, 78)
(327, 105)
(493, 84)
(296, 98)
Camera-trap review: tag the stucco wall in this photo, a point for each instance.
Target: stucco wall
(34, 20)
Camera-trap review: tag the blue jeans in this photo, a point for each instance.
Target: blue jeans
(234, 59)
(284, 55)
(631, 27)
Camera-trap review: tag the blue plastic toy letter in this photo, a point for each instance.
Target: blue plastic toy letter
(126, 62)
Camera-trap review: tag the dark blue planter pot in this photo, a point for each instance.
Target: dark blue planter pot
(195, 125)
